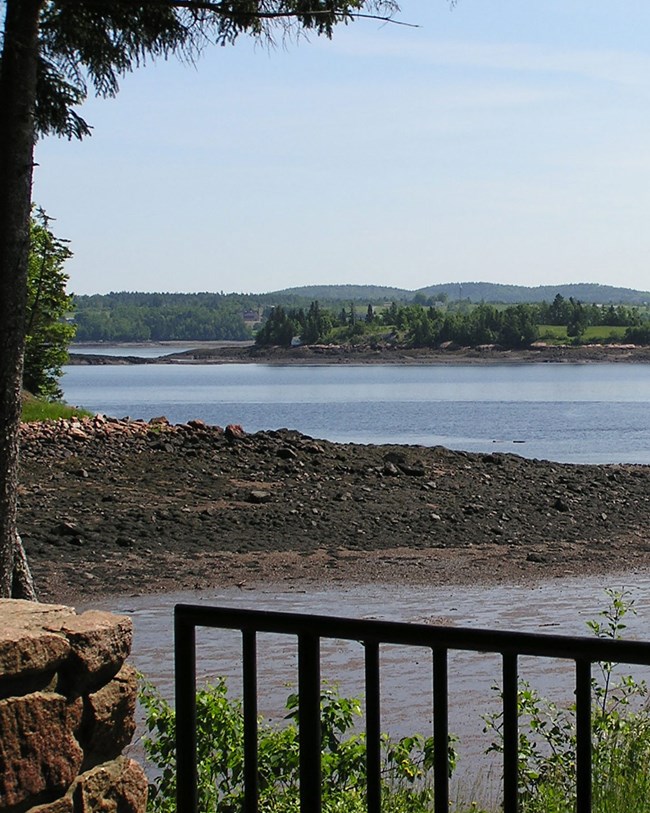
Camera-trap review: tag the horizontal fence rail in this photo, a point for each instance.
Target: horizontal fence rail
(310, 629)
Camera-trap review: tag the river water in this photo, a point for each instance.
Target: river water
(582, 413)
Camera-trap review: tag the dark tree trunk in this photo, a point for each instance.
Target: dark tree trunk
(18, 72)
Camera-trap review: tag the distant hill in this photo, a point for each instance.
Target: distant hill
(349, 293)
(491, 292)
(515, 294)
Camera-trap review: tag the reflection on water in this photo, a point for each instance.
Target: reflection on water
(561, 607)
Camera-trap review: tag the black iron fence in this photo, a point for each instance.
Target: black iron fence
(310, 629)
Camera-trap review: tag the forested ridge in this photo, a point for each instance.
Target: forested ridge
(474, 292)
(283, 319)
(124, 317)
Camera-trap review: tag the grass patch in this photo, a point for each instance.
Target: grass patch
(604, 333)
(35, 409)
(599, 334)
(553, 334)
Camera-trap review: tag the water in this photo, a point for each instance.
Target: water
(147, 350)
(144, 351)
(589, 413)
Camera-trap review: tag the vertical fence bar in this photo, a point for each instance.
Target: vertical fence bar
(583, 736)
(373, 725)
(510, 734)
(309, 722)
(440, 732)
(185, 699)
(251, 783)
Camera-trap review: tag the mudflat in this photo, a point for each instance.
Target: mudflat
(125, 507)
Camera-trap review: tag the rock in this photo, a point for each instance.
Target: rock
(29, 642)
(400, 461)
(161, 420)
(196, 423)
(119, 786)
(258, 497)
(109, 722)
(66, 528)
(38, 750)
(313, 448)
(560, 504)
(100, 643)
(413, 470)
(287, 453)
(234, 432)
(390, 469)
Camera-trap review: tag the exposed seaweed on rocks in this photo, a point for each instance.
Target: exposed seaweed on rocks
(125, 506)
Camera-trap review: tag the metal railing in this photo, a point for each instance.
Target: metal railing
(310, 629)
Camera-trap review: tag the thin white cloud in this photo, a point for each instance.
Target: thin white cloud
(626, 68)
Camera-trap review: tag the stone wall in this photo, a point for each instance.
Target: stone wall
(67, 702)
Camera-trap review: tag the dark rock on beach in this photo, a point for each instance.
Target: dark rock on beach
(118, 506)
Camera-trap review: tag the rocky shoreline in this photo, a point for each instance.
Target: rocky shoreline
(122, 507)
(384, 354)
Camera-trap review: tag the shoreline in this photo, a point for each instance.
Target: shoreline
(293, 573)
(247, 353)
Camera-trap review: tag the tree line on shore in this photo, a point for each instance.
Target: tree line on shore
(124, 317)
(515, 326)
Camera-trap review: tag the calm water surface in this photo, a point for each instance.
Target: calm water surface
(591, 413)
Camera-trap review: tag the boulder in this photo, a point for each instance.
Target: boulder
(89, 648)
(119, 786)
(29, 641)
(258, 497)
(109, 722)
(39, 753)
(100, 643)
(234, 432)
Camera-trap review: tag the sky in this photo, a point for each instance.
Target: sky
(499, 140)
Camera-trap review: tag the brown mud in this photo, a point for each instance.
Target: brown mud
(127, 507)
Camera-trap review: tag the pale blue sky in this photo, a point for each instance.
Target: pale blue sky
(503, 140)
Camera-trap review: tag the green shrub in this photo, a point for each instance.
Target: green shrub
(220, 758)
(621, 737)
